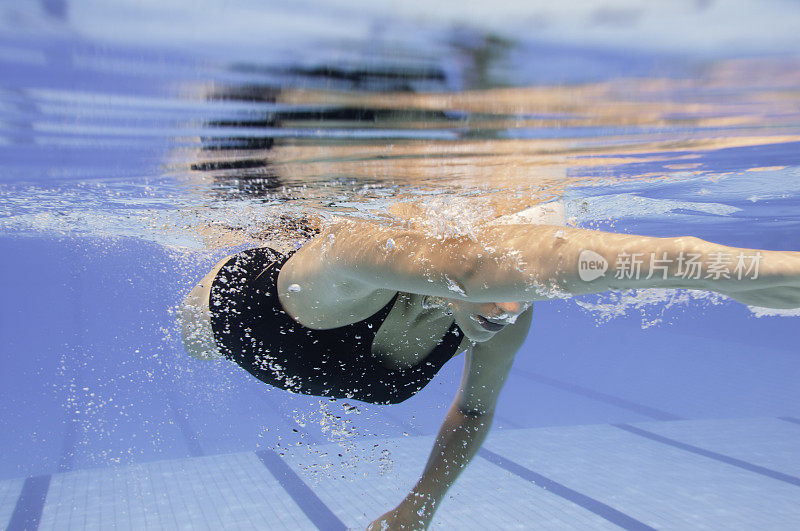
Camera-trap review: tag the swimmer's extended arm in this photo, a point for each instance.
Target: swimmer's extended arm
(465, 427)
(510, 263)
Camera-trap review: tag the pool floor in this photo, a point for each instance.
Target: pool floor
(698, 474)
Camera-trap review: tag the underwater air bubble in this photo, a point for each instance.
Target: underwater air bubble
(454, 286)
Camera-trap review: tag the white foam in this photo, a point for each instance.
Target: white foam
(651, 303)
(774, 312)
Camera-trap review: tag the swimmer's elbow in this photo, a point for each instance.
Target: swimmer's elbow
(403, 259)
(472, 414)
(476, 412)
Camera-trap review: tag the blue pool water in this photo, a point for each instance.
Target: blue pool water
(142, 142)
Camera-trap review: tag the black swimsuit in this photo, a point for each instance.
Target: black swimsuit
(252, 329)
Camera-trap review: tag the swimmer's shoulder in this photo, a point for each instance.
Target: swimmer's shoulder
(320, 296)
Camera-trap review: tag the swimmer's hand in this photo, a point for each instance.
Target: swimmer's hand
(402, 517)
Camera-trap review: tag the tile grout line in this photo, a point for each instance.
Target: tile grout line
(590, 504)
(303, 495)
(774, 474)
(641, 409)
(790, 419)
(30, 504)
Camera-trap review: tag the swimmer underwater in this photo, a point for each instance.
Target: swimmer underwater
(371, 312)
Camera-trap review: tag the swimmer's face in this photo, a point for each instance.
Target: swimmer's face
(480, 321)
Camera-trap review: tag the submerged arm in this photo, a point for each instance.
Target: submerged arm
(532, 262)
(465, 426)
